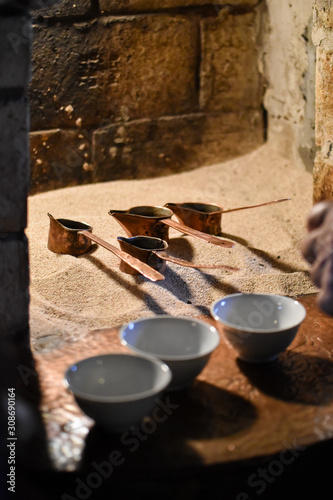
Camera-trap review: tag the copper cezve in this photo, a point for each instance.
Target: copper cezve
(74, 238)
(207, 217)
(155, 221)
(153, 251)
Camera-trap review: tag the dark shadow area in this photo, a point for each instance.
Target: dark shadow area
(137, 292)
(175, 285)
(293, 377)
(236, 239)
(202, 411)
(208, 412)
(204, 310)
(24, 451)
(306, 475)
(293, 473)
(224, 288)
(181, 247)
(272, 261)
(173, 282)
(92, 250)
(156, 453)
(156, 458)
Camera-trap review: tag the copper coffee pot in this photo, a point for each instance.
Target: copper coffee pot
(153, 251)
(155, 222)
(207, 217)
(74, 238)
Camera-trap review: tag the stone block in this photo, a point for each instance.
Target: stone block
(147, 148)
(14, 163)
(141, 148)
(59, 158)
(323, 176)
(14, 284)
(230, 77)
(107, 6)
(323, 168)
(323, 14)
(15, 43)
(144, 148)
(64, 8)
(114, 69)
(324, 97)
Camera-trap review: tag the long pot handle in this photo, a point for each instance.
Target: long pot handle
(185, 263)
(198, 234)
(255, 206)
(143, 268)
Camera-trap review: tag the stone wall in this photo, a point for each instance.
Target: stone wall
(15, 43)
(323, 39)
(288, 57)
(18, 376)
(139, 88)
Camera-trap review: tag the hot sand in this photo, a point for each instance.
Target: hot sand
(71, 296)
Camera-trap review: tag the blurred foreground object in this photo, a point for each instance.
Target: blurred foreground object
(317, 249)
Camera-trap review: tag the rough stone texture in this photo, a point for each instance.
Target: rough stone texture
(116, 69)
(140, 148)
(60, 157)
(323, 177)
(26, 4)
(15, 66)
(288, 58)
(14, 283)
(229, 70)
(323, 170)
(181, 87)
(148, 148)
(136, 5)
(324, 99)
(14, 163)
(323, 14)
(15, 43)
(65, 8)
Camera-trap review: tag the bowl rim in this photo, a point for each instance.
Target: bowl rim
(120, 399)
(174, 357)
(257, 330)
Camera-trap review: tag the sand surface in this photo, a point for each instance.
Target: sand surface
(71, 296)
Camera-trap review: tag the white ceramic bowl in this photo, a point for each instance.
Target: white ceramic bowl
(184, 344)
(117, 390)
(258, 326)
